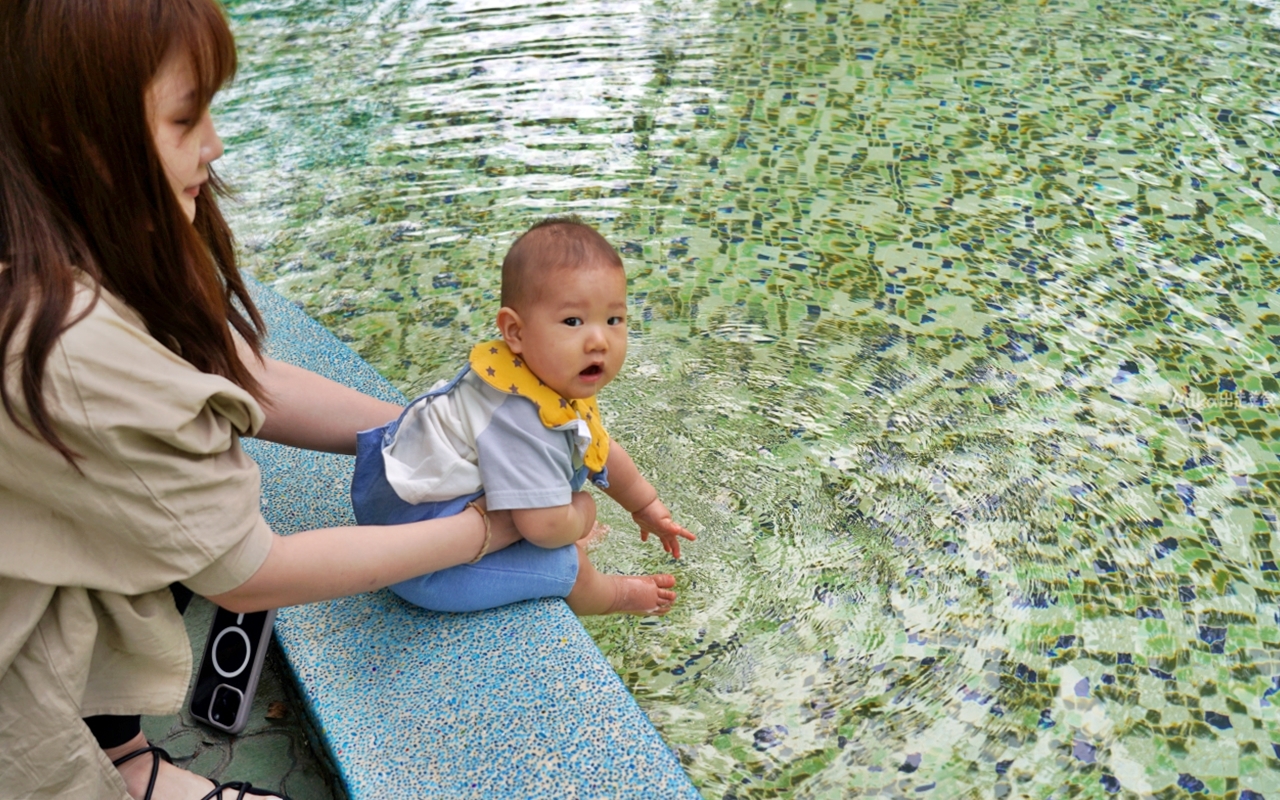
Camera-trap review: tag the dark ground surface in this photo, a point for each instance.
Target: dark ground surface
(279, 754)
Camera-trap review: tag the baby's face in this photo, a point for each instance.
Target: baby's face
(574, 337)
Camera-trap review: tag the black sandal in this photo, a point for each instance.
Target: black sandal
(155, 764)
(244, 788)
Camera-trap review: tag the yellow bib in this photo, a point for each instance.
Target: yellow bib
(505, 371)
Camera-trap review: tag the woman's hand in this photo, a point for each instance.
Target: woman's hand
(557, 526)
(586, 505)
(502, 527)
(328, 563)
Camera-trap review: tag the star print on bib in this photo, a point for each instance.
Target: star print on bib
(505, 371)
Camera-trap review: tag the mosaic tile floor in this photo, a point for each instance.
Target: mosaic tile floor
(275, 751)
(955, 338)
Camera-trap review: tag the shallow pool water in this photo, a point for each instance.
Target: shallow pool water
(953, 338)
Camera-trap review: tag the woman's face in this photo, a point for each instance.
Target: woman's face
(183, 132)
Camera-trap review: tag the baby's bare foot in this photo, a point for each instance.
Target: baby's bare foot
(647, 595)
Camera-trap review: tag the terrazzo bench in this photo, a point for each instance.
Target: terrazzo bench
(516, 702)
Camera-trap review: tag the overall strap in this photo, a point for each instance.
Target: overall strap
(448, 387)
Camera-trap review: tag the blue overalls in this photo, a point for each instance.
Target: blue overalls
(522, 571)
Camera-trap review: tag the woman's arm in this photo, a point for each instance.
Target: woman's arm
(315, 413)
(328, 563)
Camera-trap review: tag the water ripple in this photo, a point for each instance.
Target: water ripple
(953, 337)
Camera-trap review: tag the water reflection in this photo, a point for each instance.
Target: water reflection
(537, 90)
(953, 339)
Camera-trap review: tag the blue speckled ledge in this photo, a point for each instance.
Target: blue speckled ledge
(512, 703)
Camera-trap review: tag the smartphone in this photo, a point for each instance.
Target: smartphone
(230, 669)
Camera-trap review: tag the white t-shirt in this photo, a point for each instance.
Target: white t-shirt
(465, 435)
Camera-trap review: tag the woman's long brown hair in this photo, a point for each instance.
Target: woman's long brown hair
(82, 188)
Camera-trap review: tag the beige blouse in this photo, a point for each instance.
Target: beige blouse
(87, 624)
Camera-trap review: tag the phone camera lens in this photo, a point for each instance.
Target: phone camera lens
(225, 705)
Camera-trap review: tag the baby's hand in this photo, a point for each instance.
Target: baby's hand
(656, 519)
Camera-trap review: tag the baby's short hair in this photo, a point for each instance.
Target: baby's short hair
(553, 243)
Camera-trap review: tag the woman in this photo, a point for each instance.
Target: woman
(132, 367)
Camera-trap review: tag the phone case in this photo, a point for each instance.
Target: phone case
(229, 671)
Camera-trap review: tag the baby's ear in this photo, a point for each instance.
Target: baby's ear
(511, 327)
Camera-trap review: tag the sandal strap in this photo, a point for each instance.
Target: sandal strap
(159, 753)
(142, 751)
(243, 789)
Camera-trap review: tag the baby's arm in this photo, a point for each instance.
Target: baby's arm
(629, 489)
(558, 525)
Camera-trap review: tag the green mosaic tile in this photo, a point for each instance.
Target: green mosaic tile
(954, 338)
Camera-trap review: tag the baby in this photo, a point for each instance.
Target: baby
(520, 426)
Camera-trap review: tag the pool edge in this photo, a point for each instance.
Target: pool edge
(575, 725)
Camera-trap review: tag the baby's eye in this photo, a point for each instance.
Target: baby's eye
(573, 322)
(617, 320)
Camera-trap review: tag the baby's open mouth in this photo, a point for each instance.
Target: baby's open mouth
(591, 371)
